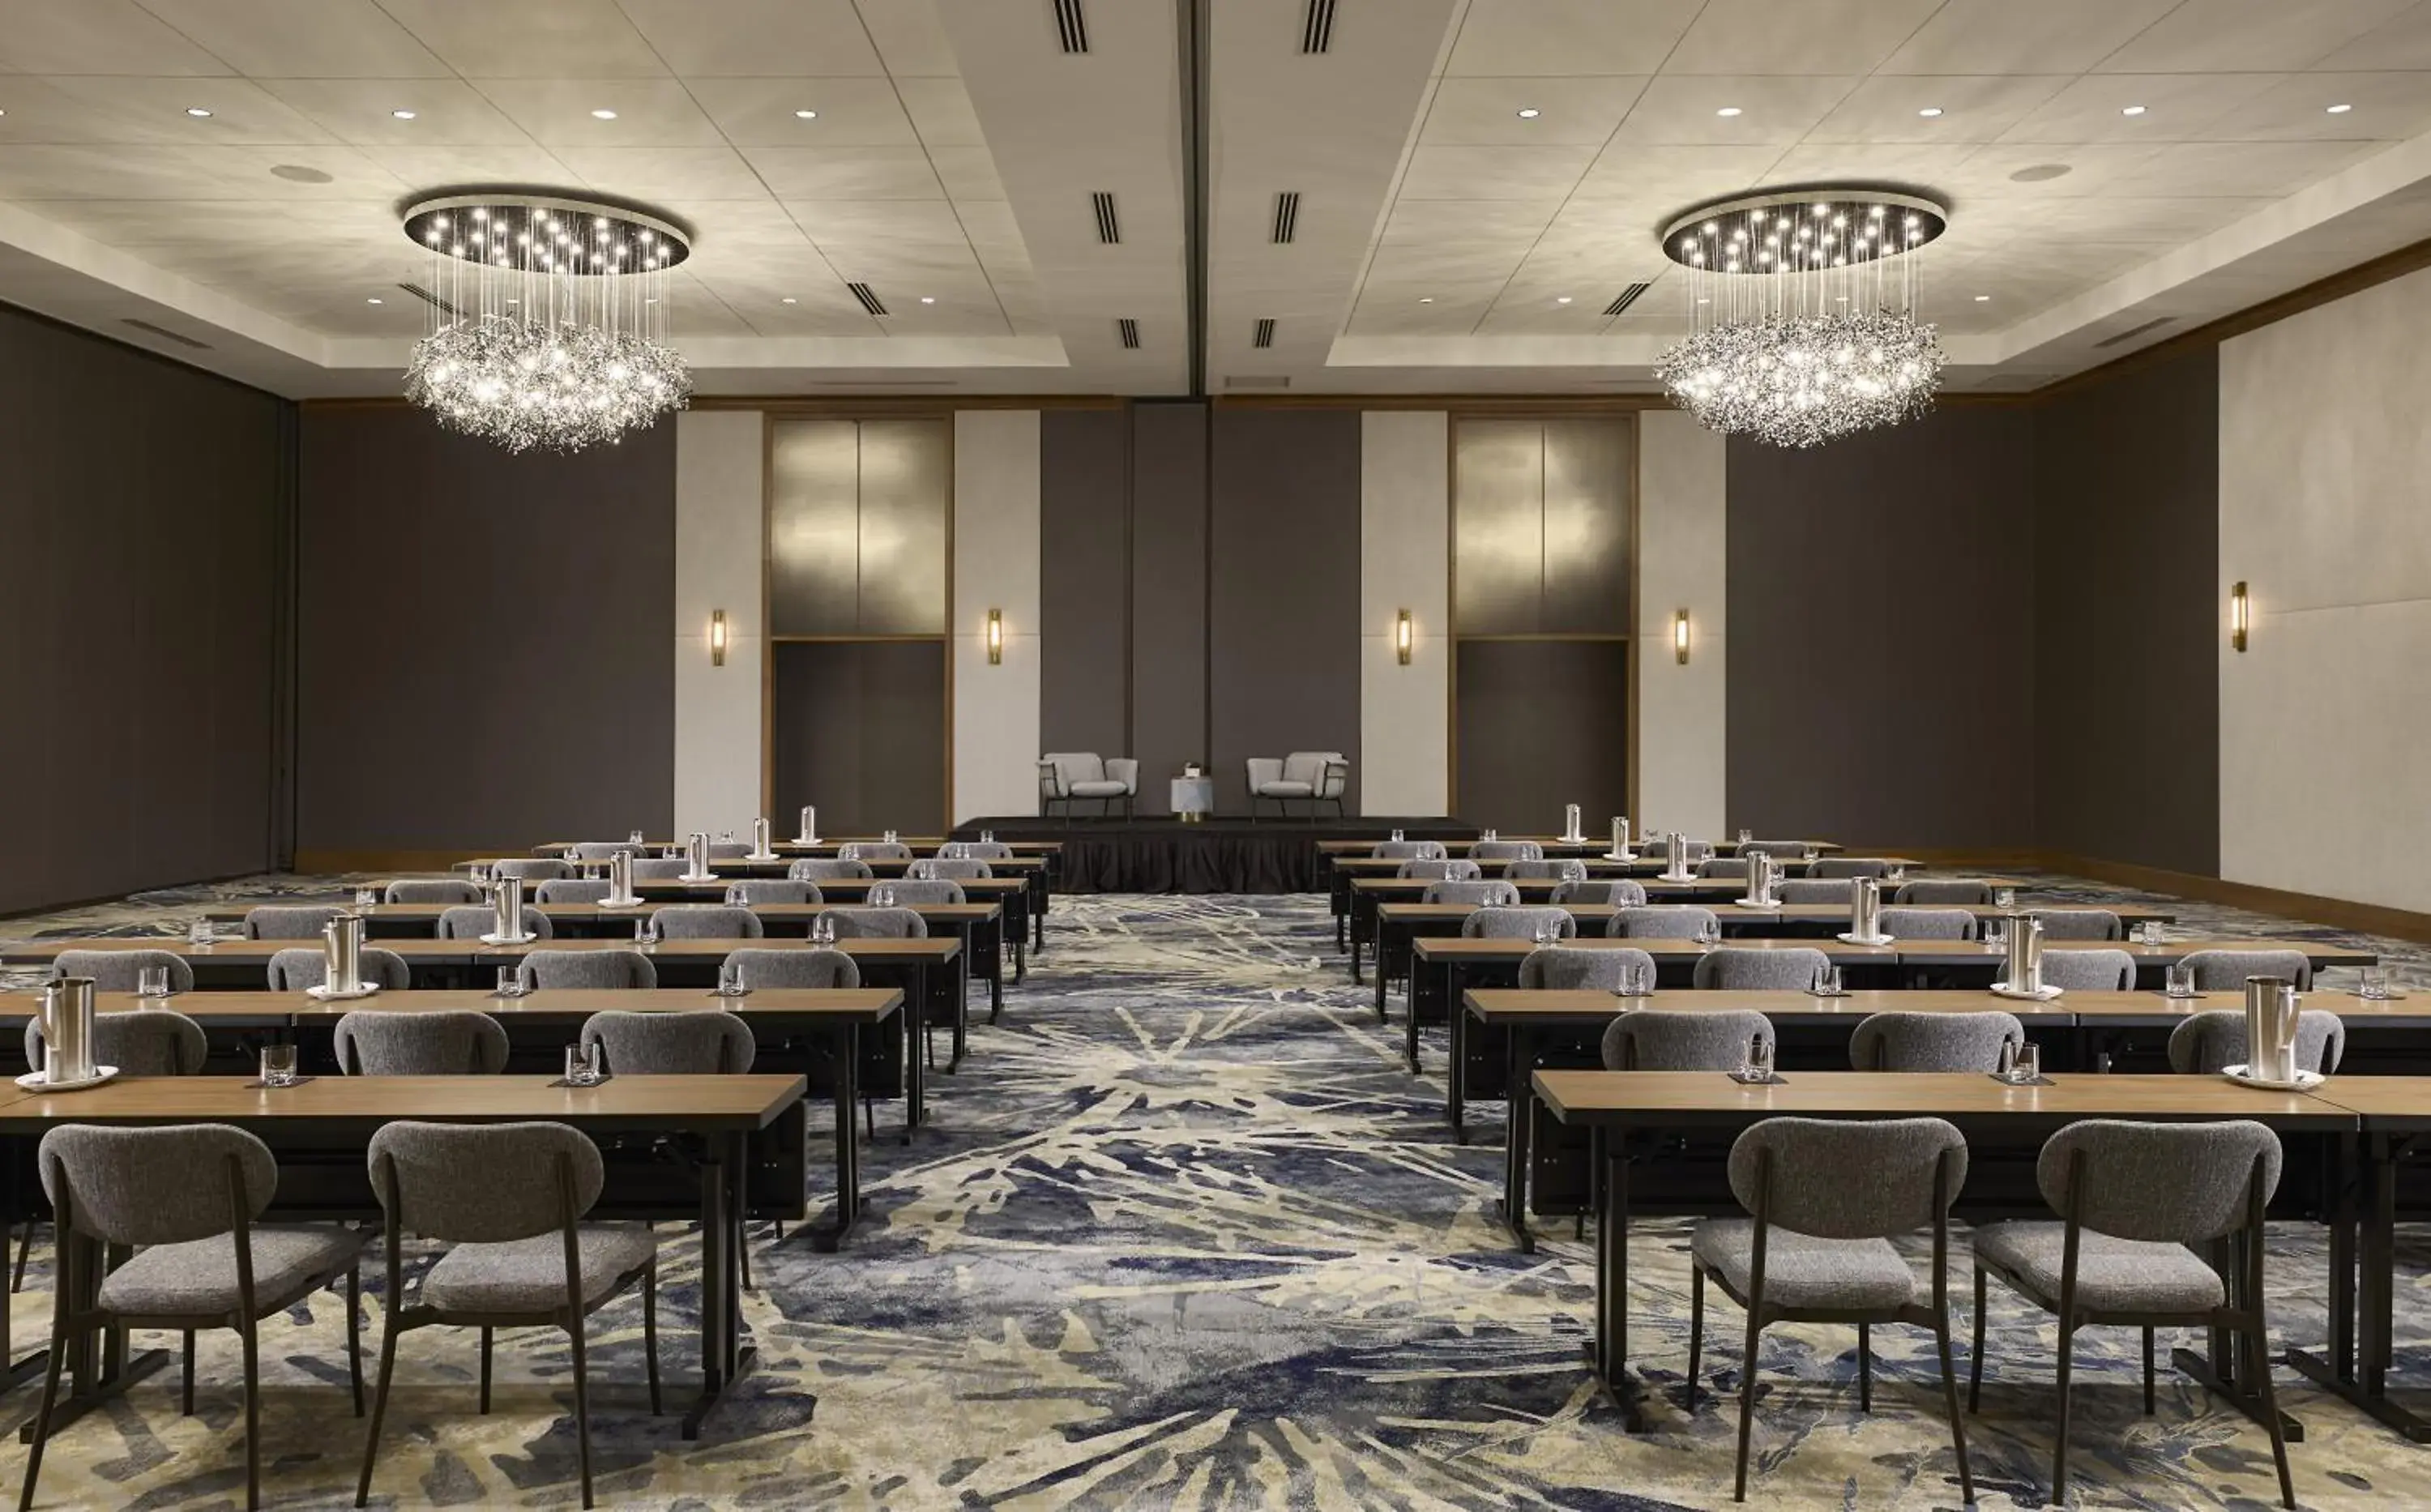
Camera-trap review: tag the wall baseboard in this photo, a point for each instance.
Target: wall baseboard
(2336, 912)
(323, 863)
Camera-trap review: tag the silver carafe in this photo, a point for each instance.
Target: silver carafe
(697, 856)
(342, 942)
(67, 1029)
(2024, 967)
(620, 880)
(1761, 869)
(510, 910)
(1865, 908)
(760, 839)
(1619, 838)
(1570, 831)
(2271, 1028)
(1675, 855)
(809, 832)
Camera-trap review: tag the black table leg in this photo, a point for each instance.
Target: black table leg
(996, 973)
(1380, 975)
(1610, 1347)
(1521, 1099)
(1456, 1031)
(962, 1002)
(725, 1359)
(830, 1237)
(915, 1041)
(2363, 1289)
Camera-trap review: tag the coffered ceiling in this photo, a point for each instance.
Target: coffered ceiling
(1478, 183)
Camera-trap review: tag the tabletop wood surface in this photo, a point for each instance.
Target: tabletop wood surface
(30, 953)
(1452, 947)
(1599, 841)
(828, 841)
(1650, 1096)
(857, 1004)
(1922, 953)
(1795, 912)
(748, 1100)
(1572, 1005)
(429, 913)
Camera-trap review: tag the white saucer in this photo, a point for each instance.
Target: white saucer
(635, 901)
(508, 939)
(706, 876)
(2046, 994)
(756, 856)
(323, 994)
(35, 1081)
(1749, 902)
(1618, 855)
(2243, 1076)
(1682, 876)
(808, 840)
(1571, 840)
(1863, 939)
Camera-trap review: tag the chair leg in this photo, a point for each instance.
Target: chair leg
(186, 1385)
(1695, 1328)
(869, 1116)
(651, 1332)
(1865, 1368)
(2261, 1338)
(485, 1370)
(50, 1389)
(24, 1246)
(355, 1335)
(252, 1417)
(1949, 1399)
(2148, 1369)
(582, 1408)
(743, 1252)
(1975, 1356)
(1747, 1394)
(379, 1401)
(2059, 1448)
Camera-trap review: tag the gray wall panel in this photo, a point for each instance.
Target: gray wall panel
(1168, 594)
(859, 728)
(1542, 723)
(1084, 581)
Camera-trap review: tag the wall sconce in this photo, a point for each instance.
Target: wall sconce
(995, 637)
(1403, 635)
(717, 637)
(2240, 612)
(1680, 636)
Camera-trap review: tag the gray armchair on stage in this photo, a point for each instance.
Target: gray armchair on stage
(1069, 777)
(1316, 776)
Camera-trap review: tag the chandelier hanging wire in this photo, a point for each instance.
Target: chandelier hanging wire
(1801, 309)
(550, 319)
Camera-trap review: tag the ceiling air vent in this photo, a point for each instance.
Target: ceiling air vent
(1286, 216)
(1265, 335)
(1624, 299)
(2133, 331)
(1110, 231)
(431, 299)
(870, 300)
(1274, 381)
(1128, 329)
(1071, 26)
(164, 333)
(1317, 27)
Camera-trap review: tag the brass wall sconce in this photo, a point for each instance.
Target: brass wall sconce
(1405, 635)
(1680, 636)
(995, 637)
(717, 637)
(2241, 617)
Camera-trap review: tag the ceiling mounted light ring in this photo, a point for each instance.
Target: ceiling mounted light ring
(1710, 226)
(519, 213)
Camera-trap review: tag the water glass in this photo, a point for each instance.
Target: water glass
(583, 1064)
(889, 837)
(511, 982)
(198, 935)
(1547, 932)
(987, 837)
(730, 981)
(1396, 836)
(2030, 1062)
(1709, 934)
(368, 898)
(634, 839)
(1808, 854)
(881, 896)
(1759, 1058)
(479, 872)
(1637, 979)
(1746, 836)
(152, 982)
(1996, 934)
(823, 929)
(2148, 933)
(2178, 979)
(645, 933)
(2004, 898)
(734, 895)
(1895, 876)
(574, 855)
(2372, 986)
(279, 1065)
(1827, 980)
(1488, 835)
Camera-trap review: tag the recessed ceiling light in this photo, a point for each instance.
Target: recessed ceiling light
(1426, 299)
(806, 115)
(373, 300)
(196, 112)
(1561, 299)
(1529, 113)
(1983, 299)
(2131, 110)
(2338, 109)
(402, 116)
(789, 299)
(603, 115)
(928, 299)
(1930, 112)
(1728, 110)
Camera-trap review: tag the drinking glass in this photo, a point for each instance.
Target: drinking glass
(645, 933)
(1488, 835)
(1637, 979)
(2149, 931)
(2178, 979)
(511, 982)
(1808, 854)
(847, 852)
(987, 837)
(1759, 1058)
(823, 929)
(1996, 934)
(198, 935)
(367, 898)
(583, 1064)
(1895, 876)
(279, 1065)
(634, 839)
(1709, 934)
(730, 981)
(1547, 932)
(152, 982)
(734, 897)
(574, 855)
(2030, 1060)
(881, 896)
(2004, 898)
(1827, 980)
(1746, 836)
(480, 873)
(889, 837)
(1397, 835)
(2372, 986)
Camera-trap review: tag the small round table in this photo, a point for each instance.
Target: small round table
(1194, 798)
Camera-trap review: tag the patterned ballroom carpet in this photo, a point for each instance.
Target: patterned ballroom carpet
(1184, 1234)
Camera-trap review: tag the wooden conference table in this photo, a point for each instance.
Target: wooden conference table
(321, 1131)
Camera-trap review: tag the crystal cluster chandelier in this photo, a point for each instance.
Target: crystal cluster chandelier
(550, 319)
(1802, 314)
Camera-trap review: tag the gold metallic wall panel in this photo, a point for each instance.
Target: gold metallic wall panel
(813, 527)
(1588, 527)
(1544, 515)
(906, 484)
(1498, 513)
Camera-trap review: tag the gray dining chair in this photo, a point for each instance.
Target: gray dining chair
(1805, 890)
(1505, 850)
(814, 869)
(2139, 1203)
(928, 891)
(1744, 969)
(307, 967)
(602, 849)
(1816, 1246)
(1843, 868)
(706, 1042)
(143, 1042)
(658, 868)
(184, 1198)
(2214, 1039)
(1313, 777)
(1617, 892)
(1662, 921)
(705, 921)
(1475, 892)
(1067, 778)
(1943, 890)
(1553, 967)
(876, 850)
(729, 850)
(288, 922)
(759, 967)
(1722, 867)
(1786, 851)
(1685, 1039)
(122, 971)
(878, 924)
(1927, 923)
(955, 869)
(2081, 924)
(1905, 1041)
(1505, 922)
(530, 868)
(1569, 871)
(2089, 970)
(571, 890)
(1436, 868)
(587, 970)
(755, 892)
(446, 1042)
(509, 1199)
(1407, 850)
(431, 890)
(472, 921)
(984, 850)
(2227, 970)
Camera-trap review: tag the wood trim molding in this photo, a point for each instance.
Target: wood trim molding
(2332, 913)
(327, 863)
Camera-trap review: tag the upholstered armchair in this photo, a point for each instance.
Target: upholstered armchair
(1064, 777)
(1318, 776)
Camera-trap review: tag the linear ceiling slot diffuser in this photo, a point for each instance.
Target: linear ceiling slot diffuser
(1071, 26)
(1265, 334)
(868, 298)
(1286, 216)
(1317, 27)
(1624, 299)
(1110, 231)
(1128, 329)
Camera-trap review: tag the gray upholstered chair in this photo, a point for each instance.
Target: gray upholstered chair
(982, 850)
(184, 1198)
(874, 850)
(509, 1198)
(288, 922)
(754, 891)
(2081, 924)
(309, 966)
(878, 924)
(705, 921)
(1844, 867)
(1722, 866)
(2209, 1041)
(1927, 923)
(1944, 890)
(530, 868)
(2089, 970)
(1617, 892)
(1691, 851)
(1076, 777)
(147, 1042)
(1477, 893)
(813, 869)
(1663, 921)
(1313, 777)
(1805, 890)
(659, 868)
(122, 971)
(955, 869)
(2227, 970)
(912, 892)
(729, 850)
(1551, 967)
(589, 971)
(1781, 851)
(472, 921)
(431, 890)
(1505, 922)
(1571, 870)
(1438, 869)
(1933, 1042)
(602, 849)
(1743, 969)
(1818, 1247)
(793, 968)
(2139, 1203)
(1505, 850)
(446, 1042)
(1664, 1039)
(571, 890)
(701, 1043)
(1407, 850)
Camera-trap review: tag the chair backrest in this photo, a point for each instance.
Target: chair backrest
(1807, 1189)
(658, 868)
(1783, 850)
(431, 890)
(702, 1043)
(1438, 869)
(1661, 921)
(880, 851)
(812, 868)
(1494, 893)
(1743, 969)
(288, 922)
(309, 966)
(1322, 770)
(2213, 1039)
(472, 921)
(1407, 850)
(1803, 890)
(120, 970)
(913, 891)
(878, 924)
(985, 851)
(1506, 850)
(171, 1185)
(2089, 970)
(1551, 967)
(571, 890)
(705, 921)
(602, 849)
(586, 970)
(1933, 1042)
(1928, 923)
(1503, 923)
(1944, 890)
(482, 1183)
(1663, 1040)
(1617, 891)
(758, 890)
(1724, 866)
(530, 868)
(147, 1042)
(2160, 1183)
(1846, 867)
(794, 968)
(1070, 767)
(729, 850)
(2226, 970)
(936, 868)
(2081, 924)
(1571, 870)
(448, 1042)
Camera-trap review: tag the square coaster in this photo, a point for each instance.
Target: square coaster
(257, 1085)
(1769, 1078)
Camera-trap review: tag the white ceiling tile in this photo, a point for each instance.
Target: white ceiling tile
(2240, 168)
(1568, 37)
(2024, 36)
(941, 110)
(759, 112)
(139, 222)
(1684, 109)
(2178, 107)
(743, 37)
(1671, 174)
(896, 222)
(1571, 111)
(2093, 168)
(96, 37)
(559, 39)
(845, 173)
(1974, 108)
(118, 107)
(301, 39)
(2403, 41)
(473, 163)
(1393, 312)
(447, 111)
(1415, 222)
(650, 112)
(1442, 270)
(969, 173)
(1914, 164)
(665, 173)
(1544, 174)
(169, 173)
(1740, 37)
(2387, 106)
(909, 39)
(2251, 35)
